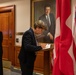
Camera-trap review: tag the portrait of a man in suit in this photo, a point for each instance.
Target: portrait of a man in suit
(45, 11)
(49, 21)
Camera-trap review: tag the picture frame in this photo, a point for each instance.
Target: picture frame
(37, 8)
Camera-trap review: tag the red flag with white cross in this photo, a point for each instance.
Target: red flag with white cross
(64, 56)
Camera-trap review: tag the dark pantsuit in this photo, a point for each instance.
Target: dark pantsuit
(1, 52)
(27, 69)
(27, 65)
(27, 53)
(1, 67)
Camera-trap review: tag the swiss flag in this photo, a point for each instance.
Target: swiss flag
(64, 56)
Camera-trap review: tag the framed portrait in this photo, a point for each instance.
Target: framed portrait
(38, 9)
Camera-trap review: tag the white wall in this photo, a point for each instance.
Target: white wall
(73, 22)
(22, 16)
(73, 5)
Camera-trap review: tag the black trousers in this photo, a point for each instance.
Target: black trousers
(1, 67)
(27, 66)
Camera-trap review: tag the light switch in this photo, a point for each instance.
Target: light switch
(17, 40)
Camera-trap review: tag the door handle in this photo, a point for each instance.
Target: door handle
(10, 35)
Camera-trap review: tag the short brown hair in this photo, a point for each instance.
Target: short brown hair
(40, 24)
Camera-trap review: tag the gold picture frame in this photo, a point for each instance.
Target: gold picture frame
(37, 8)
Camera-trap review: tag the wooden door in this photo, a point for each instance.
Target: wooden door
(8, 29)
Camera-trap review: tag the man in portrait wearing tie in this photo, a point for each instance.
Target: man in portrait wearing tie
(49, 21)
(1, 53)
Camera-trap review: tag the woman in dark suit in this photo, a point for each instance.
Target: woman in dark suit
(1, 52)
(29, 48)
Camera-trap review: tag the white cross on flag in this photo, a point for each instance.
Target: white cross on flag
(65, 45)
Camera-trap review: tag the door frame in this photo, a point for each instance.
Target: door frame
(11, 8)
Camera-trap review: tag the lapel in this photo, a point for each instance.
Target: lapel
(33, 36)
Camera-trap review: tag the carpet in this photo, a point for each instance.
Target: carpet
(8, 69)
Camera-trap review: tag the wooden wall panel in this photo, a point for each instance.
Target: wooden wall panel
(39, 63)
(5, 53)
(17, 49)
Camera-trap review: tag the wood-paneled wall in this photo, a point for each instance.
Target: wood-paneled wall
(39, 63)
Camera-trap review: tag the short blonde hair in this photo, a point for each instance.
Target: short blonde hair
(40, 24)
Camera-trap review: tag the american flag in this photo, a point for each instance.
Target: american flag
(65, 45)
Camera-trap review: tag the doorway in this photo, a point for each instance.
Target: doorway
(7, 26)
